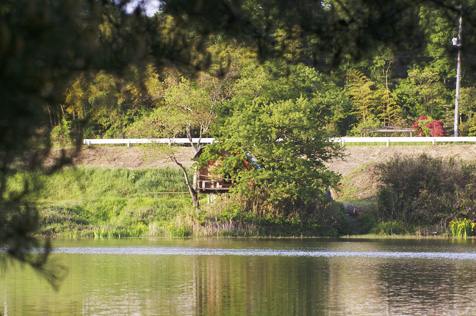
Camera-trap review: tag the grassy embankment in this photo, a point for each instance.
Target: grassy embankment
(102, 202)
(99, 202)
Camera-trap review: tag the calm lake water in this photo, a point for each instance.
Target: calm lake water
(250, 277)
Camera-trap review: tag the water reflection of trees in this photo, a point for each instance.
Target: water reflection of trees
(377, 286)
(436, 287)
(228, 285)
(245, 285)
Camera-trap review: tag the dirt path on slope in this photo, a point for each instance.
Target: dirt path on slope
(128, 157)
(354, 156)
(358, 156)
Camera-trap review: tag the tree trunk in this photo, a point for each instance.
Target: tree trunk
(191, 190)
(190, 138)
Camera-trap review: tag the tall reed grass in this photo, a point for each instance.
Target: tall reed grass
(461, 227)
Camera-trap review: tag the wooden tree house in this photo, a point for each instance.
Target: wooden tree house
(208, 181)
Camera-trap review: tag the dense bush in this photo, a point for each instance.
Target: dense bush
(424, 190)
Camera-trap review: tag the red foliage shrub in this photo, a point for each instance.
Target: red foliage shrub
(434, 124)
(438, 131)
(436, 128)
(418, 128)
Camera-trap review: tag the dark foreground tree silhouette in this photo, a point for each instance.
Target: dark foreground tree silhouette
(44, 45)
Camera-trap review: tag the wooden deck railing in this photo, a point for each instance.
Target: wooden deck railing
(214, 183)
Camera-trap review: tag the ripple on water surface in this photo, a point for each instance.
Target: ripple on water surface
(183, 251)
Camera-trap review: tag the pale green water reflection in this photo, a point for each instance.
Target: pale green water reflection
(250, 277)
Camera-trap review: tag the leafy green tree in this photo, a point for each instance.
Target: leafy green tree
(423, 93)
(361, 91)
(468, 110)
(388, 111)
(288, 150)
(281, 133)
(195, 102)
(164, 122)
(109, 103)
(332, 29)
(275, 81)
(438, 33)
(188, 110)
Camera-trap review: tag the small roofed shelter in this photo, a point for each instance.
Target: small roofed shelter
(210, 182)
(385, 130)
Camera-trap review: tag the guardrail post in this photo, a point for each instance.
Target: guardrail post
(128, 144)
(388, 142)
(433, 142)
(342, 142)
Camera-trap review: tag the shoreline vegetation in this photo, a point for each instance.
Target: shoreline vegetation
(101, 202)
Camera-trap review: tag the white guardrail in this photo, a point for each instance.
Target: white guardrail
(342, 140)
(130, 141)
(388, 140)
